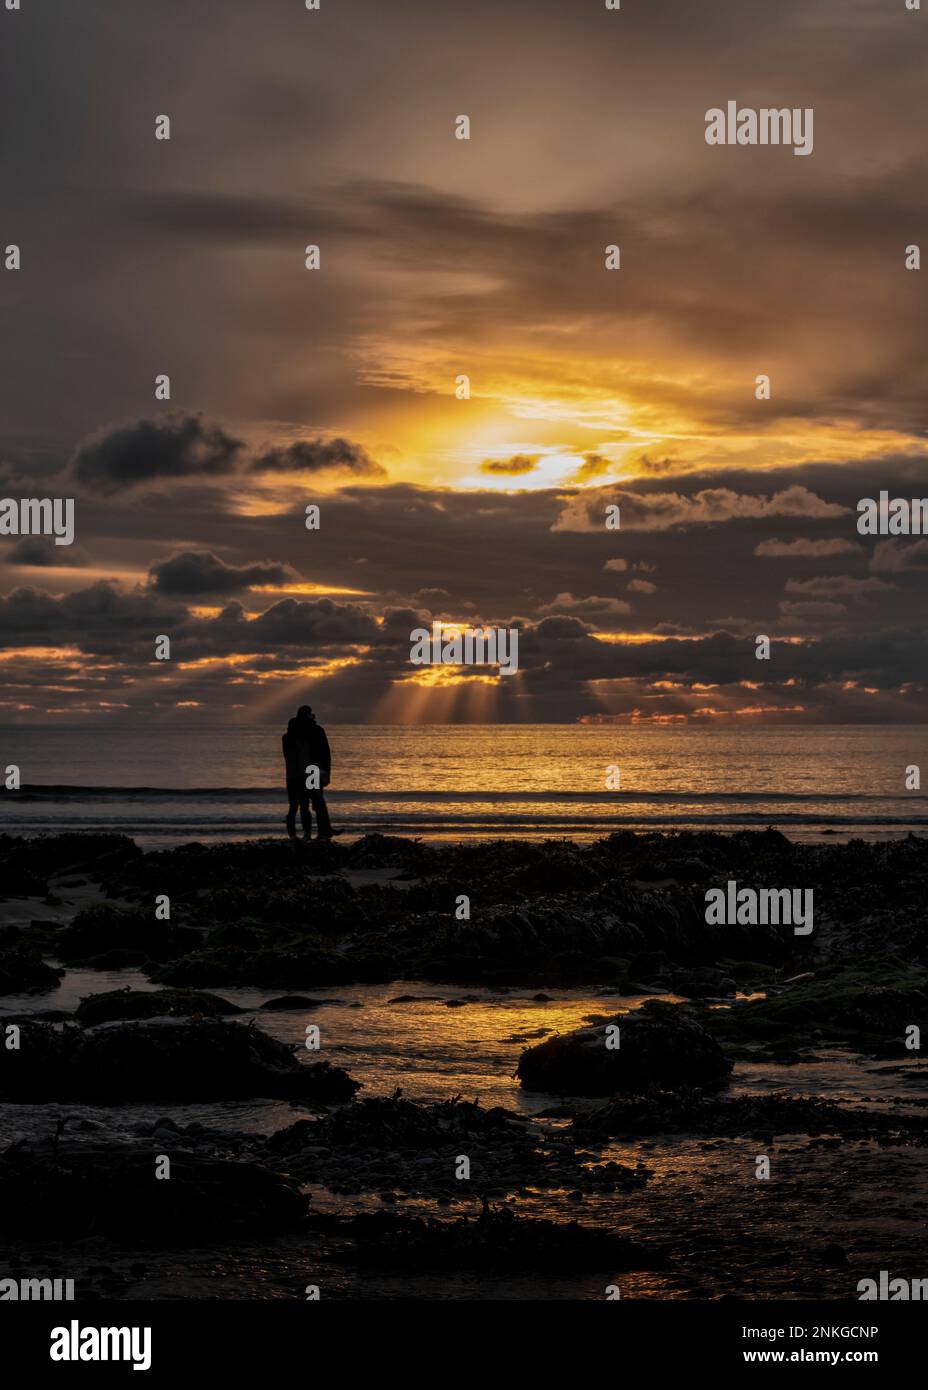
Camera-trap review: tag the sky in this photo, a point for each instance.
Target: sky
(443, 258)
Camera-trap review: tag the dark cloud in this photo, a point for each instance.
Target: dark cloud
(313, 626)
(39, 552)
(103, 618)
(317, 456)
(183, 448)
(196, 572)
(175, 448)
(516, 465)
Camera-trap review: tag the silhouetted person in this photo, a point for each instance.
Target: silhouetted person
(305, 745)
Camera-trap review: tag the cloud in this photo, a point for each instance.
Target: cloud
(195, 572)
(837, 586)
(662, 511)
(517, 464)
(801, 547)
(617, 564)
(41, 553)
(593, 606)
(437, 600)
(808, 609)
(642, 586)
(180, 446)
(317, 456)
(101, 618)
(291, 631)
(593, 466)
(892, 557)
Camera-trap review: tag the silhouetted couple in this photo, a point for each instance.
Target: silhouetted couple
(306, 754)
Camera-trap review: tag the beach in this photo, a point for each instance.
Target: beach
(318, 1034)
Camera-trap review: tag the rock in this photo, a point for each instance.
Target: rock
(757, 1116)
(69, 1193)
(127, 1004)
(872, 998)
(22, 972)
(661, 1046)
(295, 1001)
(105, 927)
(703, 982)
(496, 1240)
(165, 1059)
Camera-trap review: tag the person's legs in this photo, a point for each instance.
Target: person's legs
(299, 798)
(322, 815)
(295, 794)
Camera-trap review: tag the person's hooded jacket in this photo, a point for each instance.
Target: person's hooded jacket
(306, 745)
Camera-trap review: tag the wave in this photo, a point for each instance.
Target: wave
(359, 824)
(66, 791)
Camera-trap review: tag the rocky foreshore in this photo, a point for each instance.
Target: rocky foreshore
(624, 916)
(624, 910)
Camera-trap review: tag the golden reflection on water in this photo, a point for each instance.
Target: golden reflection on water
(436, 1045)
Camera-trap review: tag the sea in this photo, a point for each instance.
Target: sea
(454, 782)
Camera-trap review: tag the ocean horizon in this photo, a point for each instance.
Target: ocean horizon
(165, 787)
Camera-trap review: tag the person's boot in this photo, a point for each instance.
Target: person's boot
(325, 825)
(291, 828)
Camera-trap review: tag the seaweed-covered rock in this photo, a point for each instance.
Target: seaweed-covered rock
(285, 1002)
(129, 1004)
(106, 927)
(386, 1143)
(283, 964)
(170, 1059)
(495, 1240)
(660, 1046)
(24, 972)
(870, 1000)
(703, 981)
(67, 1192)
(694, 1112)
(393, 1123)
